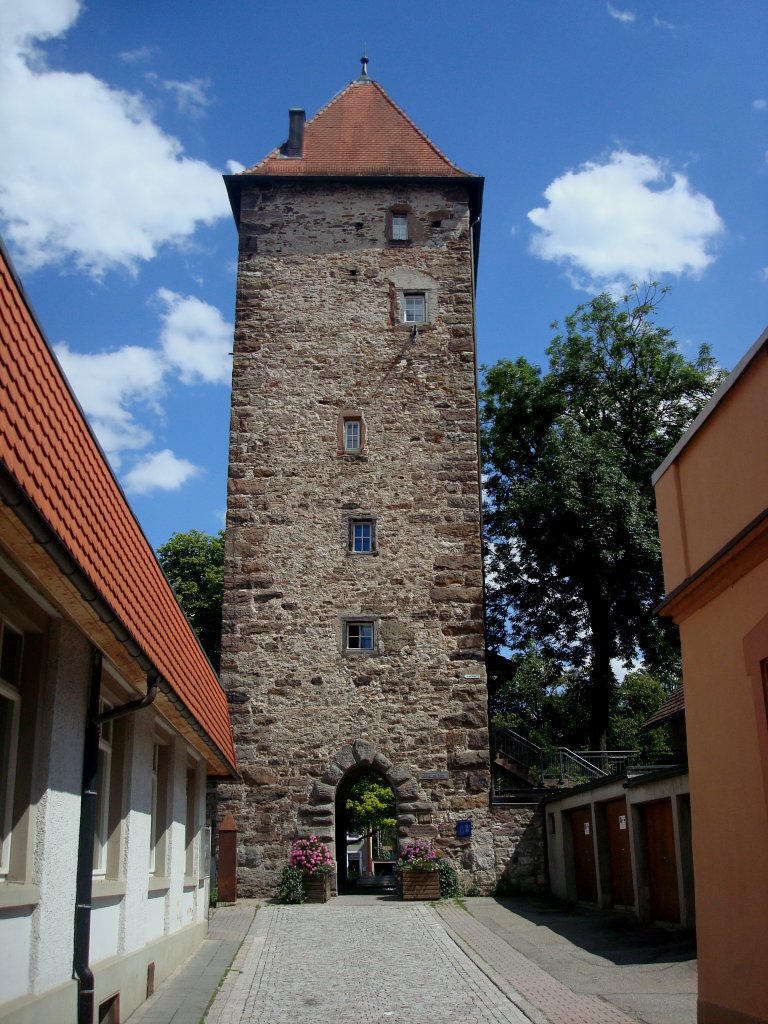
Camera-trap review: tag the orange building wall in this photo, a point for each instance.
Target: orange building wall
(716, 486)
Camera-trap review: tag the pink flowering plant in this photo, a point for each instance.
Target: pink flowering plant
(311, 856)
(418, 856)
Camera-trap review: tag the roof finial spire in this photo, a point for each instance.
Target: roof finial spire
(364, 64)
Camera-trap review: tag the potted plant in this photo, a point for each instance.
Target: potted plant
(313, 859)
(419, 875)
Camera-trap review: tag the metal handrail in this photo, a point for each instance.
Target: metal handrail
(560, 763)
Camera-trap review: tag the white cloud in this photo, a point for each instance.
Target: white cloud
(235, 167)
(191, 97)
(196, 339)
(122, 391)
(140, 55)
(629, 219)
(760, 104)
(660, 23)
(109, 387)
(159, 471)
(764, 275)
(625, 16)
(79, 156)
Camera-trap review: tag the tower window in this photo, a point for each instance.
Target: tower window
(358, 636)
(399, 227)
(415, 307)
(352, 436)
(362, 536)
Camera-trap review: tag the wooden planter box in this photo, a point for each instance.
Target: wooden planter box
(420, 885)
(317, 888)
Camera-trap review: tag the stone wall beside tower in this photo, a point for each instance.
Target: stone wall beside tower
(320, 341)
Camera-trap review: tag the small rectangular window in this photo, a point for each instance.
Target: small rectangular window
(400, 227)
(352, 435)
(362, 536)
(359, 636)
(415, 307)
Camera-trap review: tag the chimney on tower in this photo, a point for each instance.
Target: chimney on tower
(295, 145)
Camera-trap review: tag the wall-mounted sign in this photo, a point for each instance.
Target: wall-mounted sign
(426, 776)
(586, 828)
(622, 821)
(463, 829)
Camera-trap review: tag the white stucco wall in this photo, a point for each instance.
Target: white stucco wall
(58, 778)
(131, 908)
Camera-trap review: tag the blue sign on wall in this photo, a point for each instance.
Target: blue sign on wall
(463, 829)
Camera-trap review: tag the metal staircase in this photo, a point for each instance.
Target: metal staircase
(527, 771)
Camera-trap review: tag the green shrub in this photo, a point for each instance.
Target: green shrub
(471, 890)
(290, 888)
(449, 879)
(213, 897)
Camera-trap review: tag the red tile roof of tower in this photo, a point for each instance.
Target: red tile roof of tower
(53, 459)
(361, 131)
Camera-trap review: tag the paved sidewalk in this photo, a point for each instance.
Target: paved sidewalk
(185, 994)
(648, 973)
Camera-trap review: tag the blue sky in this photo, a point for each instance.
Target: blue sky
(619, 142)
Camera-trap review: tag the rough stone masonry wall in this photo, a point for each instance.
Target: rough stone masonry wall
(317, 334)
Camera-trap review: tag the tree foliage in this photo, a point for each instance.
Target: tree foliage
(571, 528)
(370, 805)
(194, 564)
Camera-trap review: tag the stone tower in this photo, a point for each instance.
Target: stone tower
(353, 617)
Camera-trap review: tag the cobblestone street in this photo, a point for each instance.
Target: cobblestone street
(379, 961)
(383, 964)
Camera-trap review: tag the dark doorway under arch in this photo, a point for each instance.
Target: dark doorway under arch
(366, 808)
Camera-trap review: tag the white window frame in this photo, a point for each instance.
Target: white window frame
(153, 822)
(353, 434)
(399, 227)
(359, 630)
(357, 540)
(10, 694)
(414, 304)
(191, 824)
(103, 780)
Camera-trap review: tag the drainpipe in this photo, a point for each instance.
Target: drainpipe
(83, 901)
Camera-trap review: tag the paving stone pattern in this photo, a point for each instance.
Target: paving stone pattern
(184, 996)
(519, 977)
(399, 967)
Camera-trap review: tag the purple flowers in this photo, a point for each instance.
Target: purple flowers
(311, 856)
(418, 856)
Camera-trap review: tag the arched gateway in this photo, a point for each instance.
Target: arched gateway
(353, 617)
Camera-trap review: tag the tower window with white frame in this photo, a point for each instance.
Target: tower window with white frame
(399, 227)
(415, 307)
(359, 635)
(11, 647)
(362, 536)
(352, 435)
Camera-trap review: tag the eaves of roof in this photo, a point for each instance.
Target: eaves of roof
(57, 480)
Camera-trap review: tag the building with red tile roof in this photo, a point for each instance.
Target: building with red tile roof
(111, 716)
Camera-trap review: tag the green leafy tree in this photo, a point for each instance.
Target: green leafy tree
(370, 806)
(638, 696)
(571, 528)
(194, 564)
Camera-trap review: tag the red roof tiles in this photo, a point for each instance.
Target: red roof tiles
(361, 131)
(47, 447)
